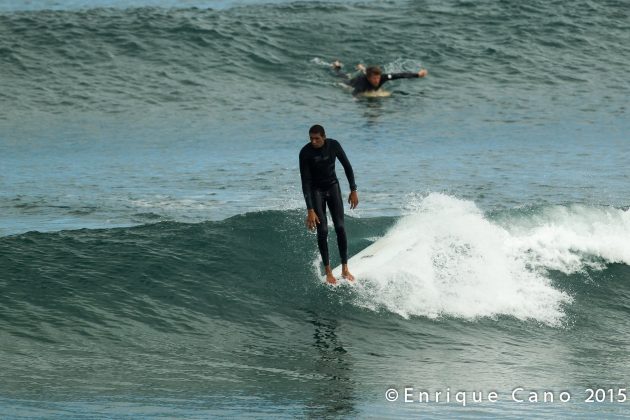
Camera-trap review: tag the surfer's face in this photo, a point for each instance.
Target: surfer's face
(317, 140)
(374, 79)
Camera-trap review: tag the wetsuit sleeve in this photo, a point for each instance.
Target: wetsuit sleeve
(341, 155)
(305, 174)
(393, 76)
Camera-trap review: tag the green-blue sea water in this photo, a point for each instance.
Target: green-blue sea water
(153, 255)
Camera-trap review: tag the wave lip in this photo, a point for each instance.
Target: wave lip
(572, 238)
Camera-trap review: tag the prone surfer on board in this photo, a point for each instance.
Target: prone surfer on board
(372, 78)
(321, 187)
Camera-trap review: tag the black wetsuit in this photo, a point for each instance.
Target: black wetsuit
(361, 83)
(321, 186)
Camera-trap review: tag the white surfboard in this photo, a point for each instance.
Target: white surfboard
(370, 259)
(379, 93)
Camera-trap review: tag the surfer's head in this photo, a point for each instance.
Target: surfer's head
(373, 74)
(317, 135)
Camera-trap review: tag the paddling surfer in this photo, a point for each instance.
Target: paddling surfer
(372, 78)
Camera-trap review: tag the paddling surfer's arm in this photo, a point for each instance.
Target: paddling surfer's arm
(393, 76)
(405, 75)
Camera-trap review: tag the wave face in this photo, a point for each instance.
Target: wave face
(446, 259)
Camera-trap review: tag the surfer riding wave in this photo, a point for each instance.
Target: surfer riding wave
(321, 188)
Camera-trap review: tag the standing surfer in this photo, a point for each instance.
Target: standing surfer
(321, 187)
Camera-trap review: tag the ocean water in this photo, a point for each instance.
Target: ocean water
(153, 256)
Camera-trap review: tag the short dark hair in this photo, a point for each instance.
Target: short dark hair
(317, 129)
(373, 70)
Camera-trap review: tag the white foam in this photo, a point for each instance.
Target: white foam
(403, 65)
(321, 62)
(570, 239)
(447, 258)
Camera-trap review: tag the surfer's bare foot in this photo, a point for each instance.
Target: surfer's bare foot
(346, 274)
(330, 278)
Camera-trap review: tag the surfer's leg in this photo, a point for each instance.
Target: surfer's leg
(322, 233)
(335, 204)
(341, 75)
(319, 205)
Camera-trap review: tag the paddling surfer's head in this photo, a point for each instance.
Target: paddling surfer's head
(373, 74)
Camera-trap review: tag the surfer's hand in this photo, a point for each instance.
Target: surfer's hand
(336, 65)
(422, 73)
(353, 199)
(312, 220)
(361, 68)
